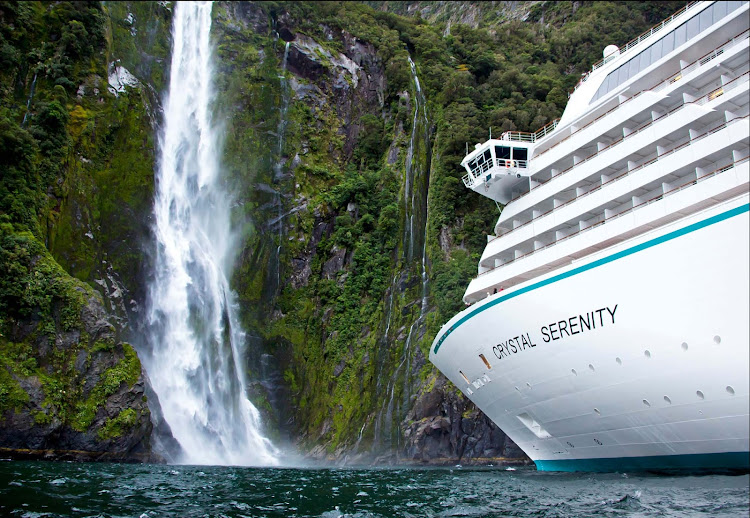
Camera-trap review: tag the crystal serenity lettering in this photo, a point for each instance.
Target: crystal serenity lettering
(577, 324)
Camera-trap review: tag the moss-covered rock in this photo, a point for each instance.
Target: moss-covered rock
(79, 159)
(64, 376)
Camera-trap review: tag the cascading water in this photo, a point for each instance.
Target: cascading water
(278, 168)
(196, 361)
(415, 206)
(414, 170)
(28, 102)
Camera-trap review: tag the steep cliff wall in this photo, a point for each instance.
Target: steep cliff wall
(77, 141)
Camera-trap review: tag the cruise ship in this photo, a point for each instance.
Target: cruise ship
(607, 328)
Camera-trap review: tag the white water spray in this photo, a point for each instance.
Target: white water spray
(197, 363)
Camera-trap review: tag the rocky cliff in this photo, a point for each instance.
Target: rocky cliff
(344, 127)
(77, 152)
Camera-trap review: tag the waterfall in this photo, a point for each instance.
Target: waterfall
(28, 102)
(196, 361)
(415, 199)
(278, 168)
(416, 180)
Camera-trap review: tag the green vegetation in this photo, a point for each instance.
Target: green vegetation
(114, 428)
(127, 370)
(76, 178)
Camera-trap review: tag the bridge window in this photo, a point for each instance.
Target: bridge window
(520, 153)
(481, 163)
(502, 152)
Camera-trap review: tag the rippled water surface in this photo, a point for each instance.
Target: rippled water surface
(39, 489)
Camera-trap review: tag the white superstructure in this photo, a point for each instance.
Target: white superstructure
(608, 325)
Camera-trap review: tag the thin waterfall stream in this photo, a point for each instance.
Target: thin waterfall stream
(415, 206)
(278, 168)
(196, 362)
(28, 102)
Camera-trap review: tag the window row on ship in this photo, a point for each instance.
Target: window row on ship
(657, 160)
(673, 78)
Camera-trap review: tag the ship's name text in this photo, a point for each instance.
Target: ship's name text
(512, 345)
(578, 324)
(554, 331)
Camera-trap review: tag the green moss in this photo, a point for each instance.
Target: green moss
(127, 370)
(12, 396)
(41, 418)
(114, 428)
(31, 282)
(103, 345)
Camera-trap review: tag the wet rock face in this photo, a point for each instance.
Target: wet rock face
(353, 80)
(86, 397)
(444, 428)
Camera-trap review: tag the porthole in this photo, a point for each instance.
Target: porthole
(730, 390)
(574, 372)
(518, 389)
(645, 402)
(647, 353)
(597, 412)
(618, 360)
(592, 368)
(684, 346)
(717, 339)
(528, 384)
(700, 394)
(669, 401)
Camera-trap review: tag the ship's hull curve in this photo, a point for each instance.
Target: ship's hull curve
(635, 358)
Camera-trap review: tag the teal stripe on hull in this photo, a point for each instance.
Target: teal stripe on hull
(732, 461)
(614, 257)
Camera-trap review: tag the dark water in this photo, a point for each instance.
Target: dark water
(37, 489)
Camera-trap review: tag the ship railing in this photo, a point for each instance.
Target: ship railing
(710, 96)
(662, 84)
(632, 43)
(608, 219)
(718, 51)
(625, 174)
(470, 179)
(523, 136)
(512, 164)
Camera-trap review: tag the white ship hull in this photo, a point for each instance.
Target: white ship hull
(635, 357)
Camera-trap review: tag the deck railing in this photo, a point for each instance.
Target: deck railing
(523, 136)
(632, 43)
(700, 101)
(625, 174)
(626, 211)
(470, 179)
